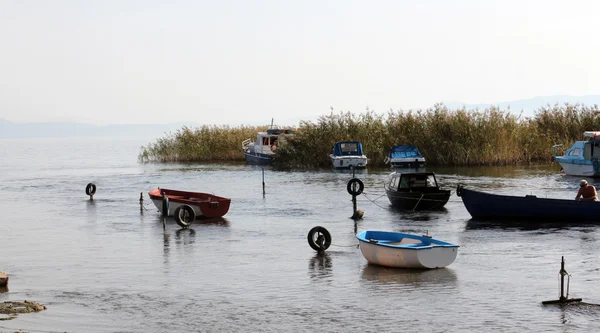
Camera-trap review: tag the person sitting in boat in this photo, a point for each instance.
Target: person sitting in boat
(587, 192)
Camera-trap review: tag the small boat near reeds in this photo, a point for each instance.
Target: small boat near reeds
(402, 250)
(405, 156)
(204, 204)
(415, 191)
(582, 158)
(490, 206)
(348, 154)
(261, 150)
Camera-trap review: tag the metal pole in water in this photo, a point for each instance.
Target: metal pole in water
(562, 272)
(563, 298)
(355, 188)
(263, 180)
(353, 196)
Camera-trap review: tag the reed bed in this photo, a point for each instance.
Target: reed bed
(202, 144)
(444, 137)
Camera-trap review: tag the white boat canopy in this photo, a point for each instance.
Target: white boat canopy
(591, 134)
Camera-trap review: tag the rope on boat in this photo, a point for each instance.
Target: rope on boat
(345, 245)
(418, 202)
(373, 201)
(400, 197)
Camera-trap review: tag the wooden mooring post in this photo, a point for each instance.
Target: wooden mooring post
(3, 280)
(355, 188)
(141, 203)
(165, 210)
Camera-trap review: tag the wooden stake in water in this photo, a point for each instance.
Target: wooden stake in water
(165, 210)
(356, 213)
(263, 181)
(141, 203)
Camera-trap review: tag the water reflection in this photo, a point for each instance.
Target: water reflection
(425, 215)
(475, 224)
(320, 265)
(185, 236)
(352, 172)
(508, 171)
(572, 314)
(387, 275)
(91, 210)
(217, 221)
(166, 247)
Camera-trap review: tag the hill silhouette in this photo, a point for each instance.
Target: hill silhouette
(10, 129)
(530, 105)
(70, 129)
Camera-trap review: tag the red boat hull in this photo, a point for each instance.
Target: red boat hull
(205, 204)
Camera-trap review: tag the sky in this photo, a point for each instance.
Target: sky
(248, 61)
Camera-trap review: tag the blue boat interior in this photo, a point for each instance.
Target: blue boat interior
(348, 148)
(405, 151)
(401, 240)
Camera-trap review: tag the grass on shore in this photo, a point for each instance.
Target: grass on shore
(444, 137)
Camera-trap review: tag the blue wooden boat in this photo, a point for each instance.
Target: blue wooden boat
(396, 249)
(488, 206)
(582, 158)
(405, 156)
(348, 154)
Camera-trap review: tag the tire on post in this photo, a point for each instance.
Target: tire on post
(90, 189)
(355, 186)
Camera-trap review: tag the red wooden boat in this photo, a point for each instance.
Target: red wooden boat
(204, 204)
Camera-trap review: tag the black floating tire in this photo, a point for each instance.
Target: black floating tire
(319, 239)
(184, 215)
(353, 184)
(90, 189)
(165, 207)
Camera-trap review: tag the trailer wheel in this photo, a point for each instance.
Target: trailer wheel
(319, 239)
(184, 215)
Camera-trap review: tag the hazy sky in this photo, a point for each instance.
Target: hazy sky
(247, 61)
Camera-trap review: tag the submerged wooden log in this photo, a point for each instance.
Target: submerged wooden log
(3, 279)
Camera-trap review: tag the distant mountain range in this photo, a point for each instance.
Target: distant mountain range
(69, 129)
(529, 106)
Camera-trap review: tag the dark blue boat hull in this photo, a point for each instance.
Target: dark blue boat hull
(258, 159)
(433, 198)
(487, 206)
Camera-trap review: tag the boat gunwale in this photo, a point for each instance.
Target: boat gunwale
(173, 197)
(408, 246)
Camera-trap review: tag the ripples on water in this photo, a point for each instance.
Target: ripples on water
(106, 266)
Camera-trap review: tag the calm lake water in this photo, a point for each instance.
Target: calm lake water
(106, 266)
